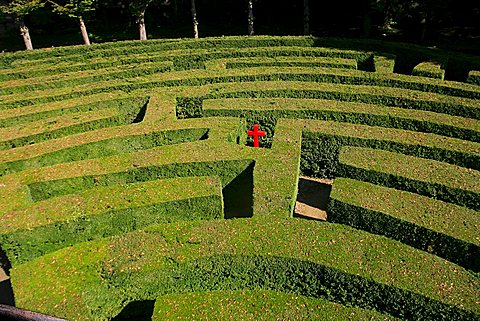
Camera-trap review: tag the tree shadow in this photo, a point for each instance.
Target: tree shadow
(136, 311)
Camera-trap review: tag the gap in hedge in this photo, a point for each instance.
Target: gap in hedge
(312, 198)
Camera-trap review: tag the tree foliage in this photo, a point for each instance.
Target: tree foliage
(20, 8)
(72, 8)
(422, 10)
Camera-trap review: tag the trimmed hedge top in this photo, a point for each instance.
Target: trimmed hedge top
(97, 152)
(254, 305)
(143, 265)
(420, 169)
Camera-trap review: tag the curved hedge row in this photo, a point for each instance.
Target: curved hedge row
(438, 180)
(328, 262)
(107, 147)
(80, 200)
(252, 305)
(129, 207)
(443, 229)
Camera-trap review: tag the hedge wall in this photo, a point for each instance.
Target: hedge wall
(431, 225)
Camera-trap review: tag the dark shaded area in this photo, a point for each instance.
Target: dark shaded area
(205, 136)
(5, 262)
(238, 195)
(446, 23)
(6, 293)
(141, 113)
(314, 193)
(6, 290)
(136, 311)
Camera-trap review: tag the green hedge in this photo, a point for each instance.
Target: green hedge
(391, 98)
(12, 60)
(430, 178)
(236, 178)
(429, 69)
(272, 109)
(320, 150)
(226, 170)
(313, 64)
(152, 46)
(302, 61)
(191, 107)
(384, 62)
(190, 61)
(274, 192)
(108, 147)
(405, 96)
(252, 51)
(309, 279)
(129, 113)
(202, 199)
(94, 103)
(72, 80)
(68, 67)
(251, 305)
(474, 77)
(96, 280)
(182, 60)
(408, 55)
(430, 225)
(61, 127)
(376, 273)
(209, 45)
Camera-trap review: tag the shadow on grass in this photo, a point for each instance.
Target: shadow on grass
(136, 311)
(6, 290)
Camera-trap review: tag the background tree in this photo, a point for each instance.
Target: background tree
(139, 7)
(194, 19)
(251, 31)
(75, 9)
(19, 9)
(306, 17)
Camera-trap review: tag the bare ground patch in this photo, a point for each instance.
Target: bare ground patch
(312, 199)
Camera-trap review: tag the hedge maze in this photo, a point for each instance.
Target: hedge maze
(130, 190)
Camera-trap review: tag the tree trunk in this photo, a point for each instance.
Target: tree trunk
(141, 26)
(423, 24)
(194, 20)
(25, 34)
(306, 17)
(367, 18)
(83, 29)
(250, 18)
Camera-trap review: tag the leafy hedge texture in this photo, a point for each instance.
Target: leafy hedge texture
(130, 189)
